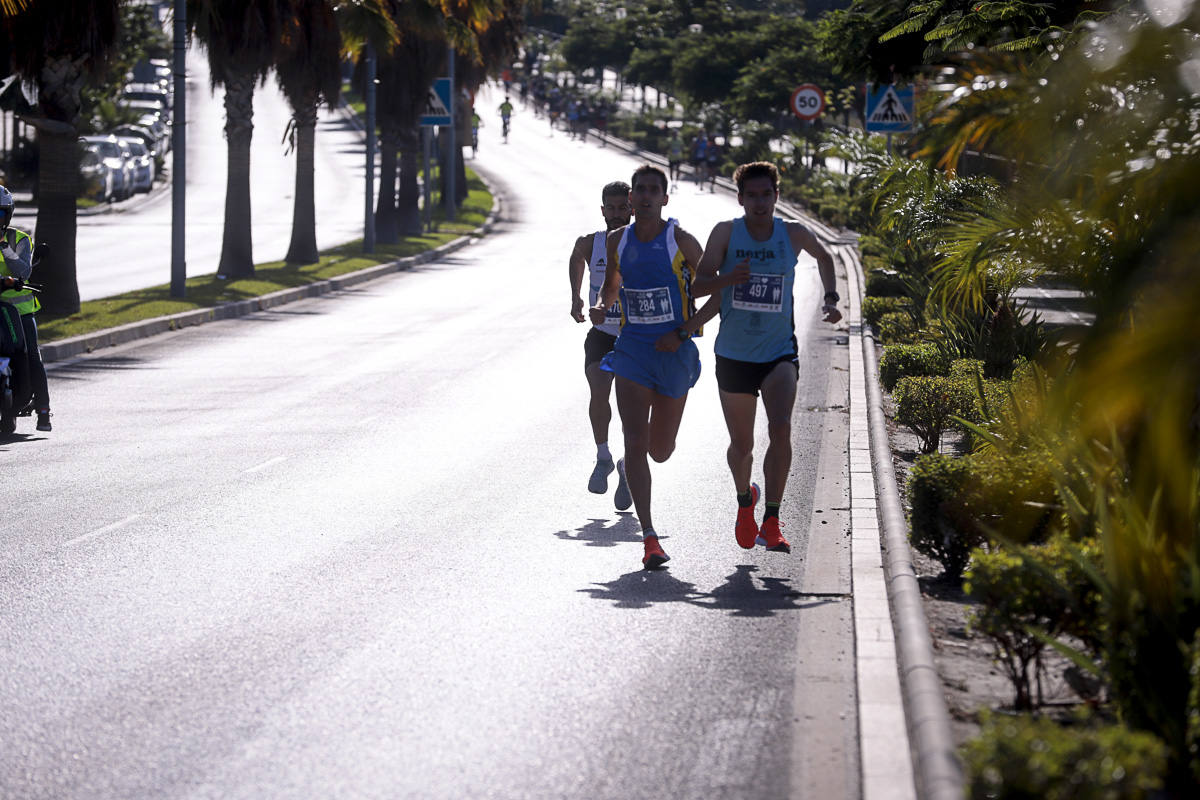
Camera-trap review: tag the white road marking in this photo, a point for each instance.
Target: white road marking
(268, 463)
(102, 531)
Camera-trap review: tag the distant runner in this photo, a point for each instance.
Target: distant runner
(752, 262)
(506, 110)
(591, 250)
(650, 267)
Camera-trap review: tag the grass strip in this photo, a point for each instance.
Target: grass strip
(207, 291)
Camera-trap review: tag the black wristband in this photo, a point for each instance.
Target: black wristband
(682, 334)
(836, 297)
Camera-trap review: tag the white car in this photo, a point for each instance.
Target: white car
(142, 161)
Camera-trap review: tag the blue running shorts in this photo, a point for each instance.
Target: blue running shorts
(670, 374)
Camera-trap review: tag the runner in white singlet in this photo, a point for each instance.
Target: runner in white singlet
(590, 256)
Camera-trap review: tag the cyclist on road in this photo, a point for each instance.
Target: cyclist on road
(650, 268)
(17, 263)
(591, 252)
(506, 110)
(476, 123)
(751, 261)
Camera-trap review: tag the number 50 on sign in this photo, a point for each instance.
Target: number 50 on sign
(808, 101)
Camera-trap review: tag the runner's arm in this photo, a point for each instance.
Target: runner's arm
(806, 240)
(612, 280)
(576, 267)
(707, 281)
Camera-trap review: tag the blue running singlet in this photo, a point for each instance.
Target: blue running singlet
(756, 317)
(656, 284)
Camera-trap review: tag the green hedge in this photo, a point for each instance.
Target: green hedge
(957, 503)
(908, 360)
(1025, 757)
(873, 308)
(1024, 591)
(925, 403)
(897, 327)
(885, 283)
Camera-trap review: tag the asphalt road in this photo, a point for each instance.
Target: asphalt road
(130, 248)
(344, 548)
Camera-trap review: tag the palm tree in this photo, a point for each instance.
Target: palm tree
(59, 45)
(242, 39)
(308, 73)
(315, 34)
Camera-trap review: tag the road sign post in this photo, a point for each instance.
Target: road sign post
(808, 101)
(889, 109)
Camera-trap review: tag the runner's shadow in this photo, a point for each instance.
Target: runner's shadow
(644, 588)
(745, 598)
(600, 533)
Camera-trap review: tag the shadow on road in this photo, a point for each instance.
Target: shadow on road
(81, 369)
(741, 594)
(599, 533)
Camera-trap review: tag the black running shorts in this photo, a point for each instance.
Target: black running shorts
(746, 377)
(596, 346)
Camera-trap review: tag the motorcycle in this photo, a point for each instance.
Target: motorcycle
(16, 392)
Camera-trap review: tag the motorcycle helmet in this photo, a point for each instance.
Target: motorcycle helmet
(6, 207)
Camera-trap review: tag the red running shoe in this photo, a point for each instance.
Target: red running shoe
(655, 557)
(772, 538)
(746, 529)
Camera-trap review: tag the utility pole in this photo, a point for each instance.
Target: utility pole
(451, 151)
(179, 157)
(369, 211)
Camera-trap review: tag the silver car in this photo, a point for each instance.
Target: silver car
(142, 161)
(114, 155)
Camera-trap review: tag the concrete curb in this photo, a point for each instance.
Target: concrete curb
(939, 774)
(88, 342)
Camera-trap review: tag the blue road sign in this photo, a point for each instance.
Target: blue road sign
(437, 106)
(889, 108)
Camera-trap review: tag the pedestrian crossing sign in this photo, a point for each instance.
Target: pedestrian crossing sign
(889, 108)
(437, 104)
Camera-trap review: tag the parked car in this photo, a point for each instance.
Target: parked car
(96, 176)
(147, 137)
(155, 70)
(149, 91)
(114, 156)
(144, 107)
(160, 127)
(142, 161)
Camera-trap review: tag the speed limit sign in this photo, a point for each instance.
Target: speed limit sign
(808, 101)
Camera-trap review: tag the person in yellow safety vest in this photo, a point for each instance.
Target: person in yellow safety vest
(17, 263)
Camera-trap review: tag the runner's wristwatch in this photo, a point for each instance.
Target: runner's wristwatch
(682, 334)
(832, 297)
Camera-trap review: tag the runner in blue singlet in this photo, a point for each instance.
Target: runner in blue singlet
(590, 255)
(751, 261)
(651, 264)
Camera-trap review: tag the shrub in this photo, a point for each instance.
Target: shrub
(885, 283)
(1026, 757)
(934, 489)
(907, 360)
(925, 403)
(957, 504)
(875, 307)
(897, 327)
(1027, 591)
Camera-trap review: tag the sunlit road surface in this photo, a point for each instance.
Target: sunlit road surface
(131, 248)
(345, 549)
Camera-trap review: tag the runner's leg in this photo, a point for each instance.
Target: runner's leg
(633, 404)
(740, 409)
(779, 398)
(664, 425)
(599, 410)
